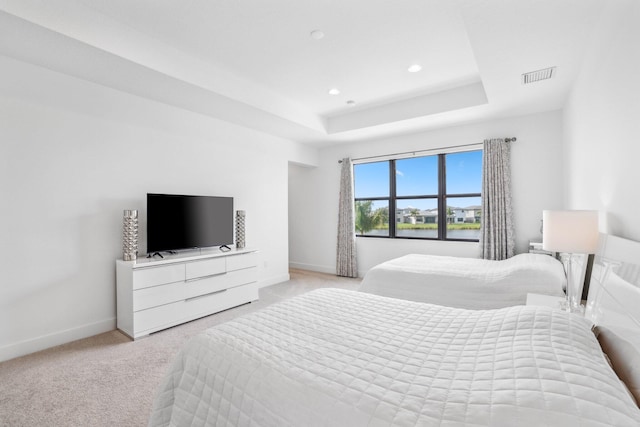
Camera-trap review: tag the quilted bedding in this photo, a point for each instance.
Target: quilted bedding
(341, 358)
(466, 282)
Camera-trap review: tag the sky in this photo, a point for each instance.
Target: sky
(419, 176)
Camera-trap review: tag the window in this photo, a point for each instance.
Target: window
(372, 198)
(433, 197)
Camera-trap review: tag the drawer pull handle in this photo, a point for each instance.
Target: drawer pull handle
(206, 295)
(195, 279)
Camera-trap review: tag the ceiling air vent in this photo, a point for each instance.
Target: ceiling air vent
(535, 76)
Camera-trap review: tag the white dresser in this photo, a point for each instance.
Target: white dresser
(154, 294)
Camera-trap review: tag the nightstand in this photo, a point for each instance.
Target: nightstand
(546, 301)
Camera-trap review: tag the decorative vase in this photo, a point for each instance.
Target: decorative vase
(240, 216)
(130, 234)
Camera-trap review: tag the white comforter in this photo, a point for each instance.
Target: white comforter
(342, 358)
(466, 282)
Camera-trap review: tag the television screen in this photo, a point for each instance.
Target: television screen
(181, 222)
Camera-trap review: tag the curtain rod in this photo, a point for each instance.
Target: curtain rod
(425, 151)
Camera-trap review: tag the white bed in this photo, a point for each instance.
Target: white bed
(341, 358)
(466, 282)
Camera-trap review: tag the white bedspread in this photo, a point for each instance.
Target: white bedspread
(342, 358)
(466, 282)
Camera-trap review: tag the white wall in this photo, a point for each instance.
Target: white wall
(536, 181)
(602, 123)
(73, 155)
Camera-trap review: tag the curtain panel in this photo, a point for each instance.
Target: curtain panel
(346, 264)
(497, 236)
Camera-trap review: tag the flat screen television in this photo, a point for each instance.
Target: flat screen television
(177, 222)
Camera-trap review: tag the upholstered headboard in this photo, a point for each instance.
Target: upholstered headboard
(614, 306)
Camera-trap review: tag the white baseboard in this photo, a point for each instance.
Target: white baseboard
(313, 267)
(57, 338)
(273, 280)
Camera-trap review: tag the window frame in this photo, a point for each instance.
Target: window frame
(441, 198)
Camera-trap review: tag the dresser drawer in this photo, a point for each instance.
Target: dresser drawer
(154, 276)
(207, 267)
(238, 262)
(157, 318)
(158, 295)
(211, 284)
(212, 303)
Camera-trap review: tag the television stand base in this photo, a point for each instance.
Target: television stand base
(154, 254)
(224, 248)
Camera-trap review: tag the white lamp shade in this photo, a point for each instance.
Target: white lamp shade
(570, 231)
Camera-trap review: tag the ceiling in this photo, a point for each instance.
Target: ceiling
(257, 64)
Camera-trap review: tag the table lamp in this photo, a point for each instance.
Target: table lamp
(572, 232)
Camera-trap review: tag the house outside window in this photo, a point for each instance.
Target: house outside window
(435, 197)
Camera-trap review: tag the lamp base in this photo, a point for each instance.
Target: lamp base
(565, 306)
(574, 286)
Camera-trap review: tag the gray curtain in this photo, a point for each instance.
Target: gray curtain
(497, 239)
(346, 249)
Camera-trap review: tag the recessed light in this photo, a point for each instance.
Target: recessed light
(334, 91)
(351, 102)
(317, 34)
(414, 68)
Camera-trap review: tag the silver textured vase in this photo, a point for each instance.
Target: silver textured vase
(130, 234)
(240, 237)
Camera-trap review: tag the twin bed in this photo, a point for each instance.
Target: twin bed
(466, 282)
(333, 357)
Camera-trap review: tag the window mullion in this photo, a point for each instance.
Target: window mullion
(392, 198)
(442, 201)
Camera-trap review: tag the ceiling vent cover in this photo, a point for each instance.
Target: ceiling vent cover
(535, 76)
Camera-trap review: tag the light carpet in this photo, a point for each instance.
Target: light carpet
(109, 380)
